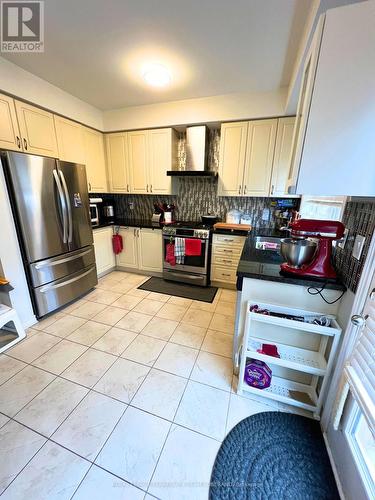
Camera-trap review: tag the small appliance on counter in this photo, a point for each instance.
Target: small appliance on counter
(233, 216)
(94, 211)
(108, 211)
(209, 220)
(308, 257)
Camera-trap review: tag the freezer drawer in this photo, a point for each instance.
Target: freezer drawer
(48, 270)
(58, 293)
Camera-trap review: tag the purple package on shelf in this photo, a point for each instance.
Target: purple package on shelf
(257, 374)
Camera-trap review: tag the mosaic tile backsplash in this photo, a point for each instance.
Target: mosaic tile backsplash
(195, 197)
(359, 218)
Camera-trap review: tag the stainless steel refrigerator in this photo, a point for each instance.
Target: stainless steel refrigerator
(50, 205)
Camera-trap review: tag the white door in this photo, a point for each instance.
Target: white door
(260, 149)
(129, 255)
(351, 430)
(117, 162)
(37, 130)
(104, 256)
(70, 140)
(232, 158)
(139, 161)
(160, 160)
(283, 148)
(95, 161)
(10, 137)
(150, 251)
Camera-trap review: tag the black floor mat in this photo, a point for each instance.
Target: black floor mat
(159, 285)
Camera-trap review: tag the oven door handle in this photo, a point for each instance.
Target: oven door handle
(181, 275)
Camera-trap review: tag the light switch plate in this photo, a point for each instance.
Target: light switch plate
(358, 246)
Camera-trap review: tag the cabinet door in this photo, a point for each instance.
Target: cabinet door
(10, 137)
(104, 256)
(117, 163)
(37, 130)
(129, 255)
(95, 161)
(160, 160)
(70, 141)
(138, 161)
(150, 251)
(232, 158)
(259, 157)
(303, 107)
(281, 160)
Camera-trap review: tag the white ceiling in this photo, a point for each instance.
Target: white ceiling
(94, 48)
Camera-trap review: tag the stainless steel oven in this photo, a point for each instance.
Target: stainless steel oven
(196, 268)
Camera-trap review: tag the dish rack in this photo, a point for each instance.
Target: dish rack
(314, 363)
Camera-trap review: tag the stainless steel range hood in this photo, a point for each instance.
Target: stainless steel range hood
(196, 154)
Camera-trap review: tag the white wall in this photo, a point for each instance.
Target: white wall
(21, 83)
(236, 106)
(11, 261)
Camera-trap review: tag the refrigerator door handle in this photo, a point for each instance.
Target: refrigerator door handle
(63, 206)
(69, 207)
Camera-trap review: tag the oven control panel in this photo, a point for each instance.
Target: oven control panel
(203, 234)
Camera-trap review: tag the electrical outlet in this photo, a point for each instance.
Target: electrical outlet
(131, 206)
(341, 243)
(358, 246)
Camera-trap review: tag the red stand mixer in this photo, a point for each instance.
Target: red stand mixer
(306, 257)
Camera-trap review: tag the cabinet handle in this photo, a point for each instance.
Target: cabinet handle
(224, 274)
(89, 186)
(147, 187)
(272, 188)
(239, 189)
(138, 231)
(227, 260)
(18, 142)
(244, 190)
(134, 233)
(228, 239)
(227, 251)
(127, 188)
(150, 188)
(25, 143)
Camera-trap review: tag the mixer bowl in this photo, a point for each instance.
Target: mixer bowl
(298, 252)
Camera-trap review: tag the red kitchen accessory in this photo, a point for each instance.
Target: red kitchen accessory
(269, 350)
(169, 254)
(193, 246)
(117, 243)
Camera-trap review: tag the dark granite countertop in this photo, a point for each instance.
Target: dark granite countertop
(265, 265)
(142, 223)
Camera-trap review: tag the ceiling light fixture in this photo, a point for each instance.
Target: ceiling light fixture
(156, 75)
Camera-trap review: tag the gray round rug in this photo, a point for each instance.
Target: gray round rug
(273, 455)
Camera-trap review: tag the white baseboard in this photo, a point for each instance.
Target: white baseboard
(333, 465)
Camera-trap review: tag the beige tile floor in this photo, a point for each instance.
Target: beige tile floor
(124, 394)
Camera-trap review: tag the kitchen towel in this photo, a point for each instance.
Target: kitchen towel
(169, 254)
(193, 246)
(179, 250)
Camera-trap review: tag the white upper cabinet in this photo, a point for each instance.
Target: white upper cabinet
(232, 158)
(10, 137)
(95, 161)
(37, 129)
(117, 162)
(338, 147)
(70, 140)
(281, 160)
(259, 157)
(138, 161)
(162, 157)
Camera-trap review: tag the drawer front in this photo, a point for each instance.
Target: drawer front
(227, 239)
(223, 274)
(227, 251)
(226, 261)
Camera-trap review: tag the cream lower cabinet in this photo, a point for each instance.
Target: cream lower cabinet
(37, 129)
(117, 162)
(150, 250)
(226, 253)
(254, 157)
(129, 256)
(10, 137)
(142, 249)
(104, 256)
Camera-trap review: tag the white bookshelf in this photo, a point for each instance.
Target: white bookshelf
(315, 364)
